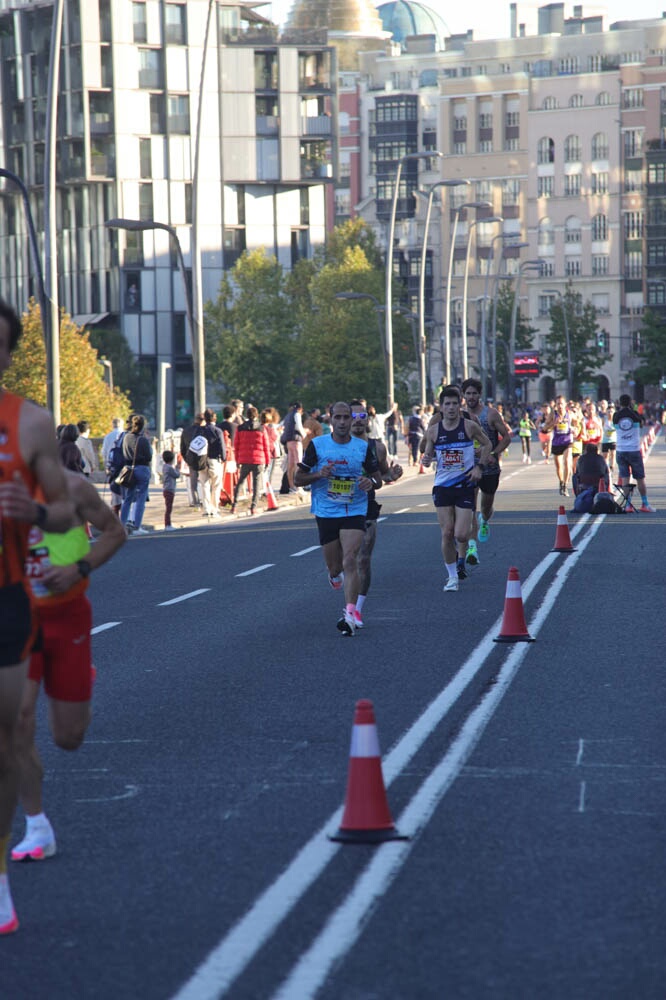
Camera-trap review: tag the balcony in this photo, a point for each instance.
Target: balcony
(316, 125)
(267, 125)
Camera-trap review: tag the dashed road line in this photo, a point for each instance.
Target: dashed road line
(304, 552)
(183, 597)
(104, 627)
(257, 569)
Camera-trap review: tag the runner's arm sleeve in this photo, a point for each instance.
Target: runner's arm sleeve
(310, 458)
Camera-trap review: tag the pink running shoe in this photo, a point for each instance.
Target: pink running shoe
(358, 619)
(336, 582)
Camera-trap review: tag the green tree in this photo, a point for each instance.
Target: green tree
(133, 378)
(273, 336)
(524, 332)
(250, 332)
(585, 337)
(652, 353)
(84, 394)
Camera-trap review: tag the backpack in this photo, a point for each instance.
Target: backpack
(604, 503)
(584, 502)
(116, 459)
(197, 453)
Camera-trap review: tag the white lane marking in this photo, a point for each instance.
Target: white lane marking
(257, 569)
(103, 628)
(304, 552)
(344, 926)
(423, 505)
(403, 510)
(579, 757)
(183, 597)
(381, 519)
(239, 946)
(581, 797)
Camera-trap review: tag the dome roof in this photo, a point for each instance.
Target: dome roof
(407, 17)
(359, 17)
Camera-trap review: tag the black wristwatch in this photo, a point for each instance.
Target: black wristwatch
(42, 514)
(84, 568)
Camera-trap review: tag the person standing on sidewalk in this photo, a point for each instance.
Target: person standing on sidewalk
(629, 459)
(217, 455)
(186, 437)
(293, 434)
(137, 452)
(170, 475)
(253, 454)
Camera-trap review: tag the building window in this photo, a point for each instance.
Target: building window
(150, 69)
(603, 99)
(599, 264)
(632, 97)
(510, 191)
(133, 256)
(545, 304)
(178, 114)
(175, 24)
(633, 179)
(178, 334)
(545, 187)
(546, 233)
(633, 225)
(572, 149)
(512, 119)
(600, 146)
(460, 124)
(145, 158)
(656, 173)
(132, 291)
(188, 203)
(549, 104)
(511, 145)
(599, 228)
(572, 230)
(545, 150)
(401, 109)
(656, 254)
(299, 245)
(568, 65)
(576, 101)
(486, 146)
(571, 185)
(485, 120)
(234, 245)
(139, 23)
(600, 182)
(265, 71)
(633, 142)
(146, 202)
(157, 115)
(546, 269)
(572, 267)
(268, 159)
(459, 148)
(633, 264)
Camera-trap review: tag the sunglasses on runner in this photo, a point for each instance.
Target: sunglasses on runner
(361, 415)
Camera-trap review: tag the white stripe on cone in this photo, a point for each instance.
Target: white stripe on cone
(364, 741)
(513, 589)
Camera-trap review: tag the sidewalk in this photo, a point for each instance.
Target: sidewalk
(184, 516)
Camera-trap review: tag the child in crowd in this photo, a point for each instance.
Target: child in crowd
(169, 476)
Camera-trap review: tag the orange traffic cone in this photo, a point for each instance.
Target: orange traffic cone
(271, 502)
(514, 628)
(562, 536)
(367, 817)
(421, 467)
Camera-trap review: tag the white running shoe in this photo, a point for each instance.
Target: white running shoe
(346, 624)
(8, 920)
(451, 583)
(336, 582)
(140, 531)
(37, 845)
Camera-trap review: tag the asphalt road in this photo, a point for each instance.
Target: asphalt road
(193, 860)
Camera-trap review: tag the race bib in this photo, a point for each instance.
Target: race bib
(452, 460)
(341, 488)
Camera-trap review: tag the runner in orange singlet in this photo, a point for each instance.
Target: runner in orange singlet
(28, 459)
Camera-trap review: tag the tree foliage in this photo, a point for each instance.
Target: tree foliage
(136, 379)
(524, 332)
(84, 395)
(587, 356)
(273, 336)
(652, 353)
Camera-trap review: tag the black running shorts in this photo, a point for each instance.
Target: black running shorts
(17, 626)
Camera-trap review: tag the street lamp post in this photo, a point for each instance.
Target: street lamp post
(527, 265)
(431, 191)
(37, 264)
(472, 225)
(161, 402)
(198, 354)
(108, 370)
(389, 268)
(505, 237)
(562, 298)
(449, 278)
(197, 330)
